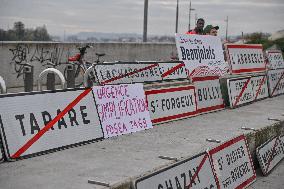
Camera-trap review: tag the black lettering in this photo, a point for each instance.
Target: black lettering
(178, 183)
(153, 107)
(46, 117)
(34, 124)
(20, 118)
(184, 179)
(183, 53)
(170, 186)
(61, 121)
(160, 186)
(84, 115)
(72, 117)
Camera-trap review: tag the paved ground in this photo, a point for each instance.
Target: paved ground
(275, 180)
(116, 159)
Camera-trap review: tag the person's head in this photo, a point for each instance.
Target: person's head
(200, 25)
(211, 30)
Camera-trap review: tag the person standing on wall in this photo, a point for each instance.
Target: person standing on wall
(198, 30)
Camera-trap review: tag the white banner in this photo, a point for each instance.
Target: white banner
(233, 164)
(172, 103)
(275, 59)
(202, 55)
(208, 94)
(23, 116)
(245, 58)
(122, 108)
(177, 71)
(247, 89)
(270, 154)
(276, 82)
(127, 73)
(195, 171)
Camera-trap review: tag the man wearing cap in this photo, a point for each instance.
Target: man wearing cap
(211, 30)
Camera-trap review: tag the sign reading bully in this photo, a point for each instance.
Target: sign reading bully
(202, 55)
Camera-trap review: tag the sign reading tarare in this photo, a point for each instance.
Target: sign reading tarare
(70, 115)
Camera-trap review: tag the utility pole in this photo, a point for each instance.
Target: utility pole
(227, 23)
(190, 9)
(145, 21)
(177, 11)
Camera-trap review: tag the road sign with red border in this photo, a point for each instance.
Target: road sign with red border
(208, 94)
(275, 59)
(43, 121)
(270, 154)
(247, 89)
(232, 164)
(195, 173)
(171, 103)
(276, 82)
(245, 58)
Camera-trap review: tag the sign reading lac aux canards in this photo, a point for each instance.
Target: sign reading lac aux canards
(122, 109)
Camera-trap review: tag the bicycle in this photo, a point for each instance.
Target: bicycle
(81, 65)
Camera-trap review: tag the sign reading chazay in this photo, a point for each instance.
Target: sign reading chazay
(202, 55)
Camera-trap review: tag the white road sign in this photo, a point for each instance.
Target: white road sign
(202, 55)
(276, 82)
(233, 164)
(118, 73)
(275, 59)
(208, 94)
(173, 71)
(245, 58)
(195, 171)
(247, 89)
(168, 104)
(24, 116)
(122, 108)
(270, 154)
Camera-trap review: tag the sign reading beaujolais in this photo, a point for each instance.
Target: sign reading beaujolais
(122, 108)
(23, 115)
(181, 175)
(180, 73)
(208, 94)
(118, 73)
(270, 154)
(171, 103)
(202, 55)
(245, 58)
(247, 89)
(232, 164)
(275, 59)
(276, 82)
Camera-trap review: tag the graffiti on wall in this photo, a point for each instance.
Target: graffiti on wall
(24, 55)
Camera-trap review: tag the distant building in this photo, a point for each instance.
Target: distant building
(277, 35)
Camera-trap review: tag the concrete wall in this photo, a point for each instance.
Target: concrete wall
(13, 54)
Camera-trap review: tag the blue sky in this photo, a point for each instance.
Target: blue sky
(126, 16)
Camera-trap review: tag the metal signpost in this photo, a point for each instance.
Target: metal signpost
(171, 103)
(40, 121)
(194, 173)
(270, 154)
(233, 164)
